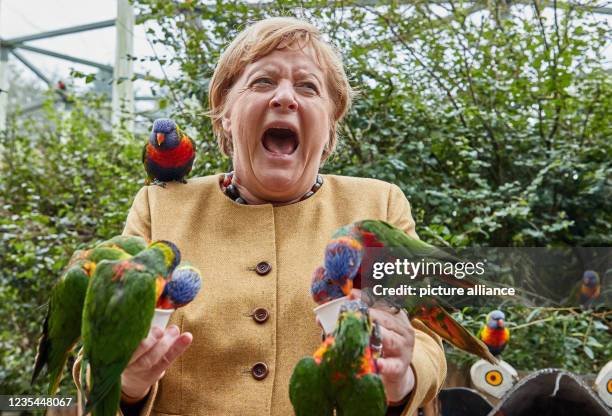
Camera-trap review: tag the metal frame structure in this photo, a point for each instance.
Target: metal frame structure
(123, 72)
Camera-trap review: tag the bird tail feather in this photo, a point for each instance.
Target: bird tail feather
(105, 390)
(83, 378)
(109, 405)
(43, 351)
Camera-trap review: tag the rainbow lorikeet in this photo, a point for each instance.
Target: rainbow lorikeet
(342, 261)
(494, 333)
(590, 289)
(119, 306)
(361, 235)
(182, 287)
(342, 373)
(168, 154)
(323, 288)
(62, 325)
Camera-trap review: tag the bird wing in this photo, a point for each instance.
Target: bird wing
(62, 325)
(308, 390)
(119, 307)
(442, 323)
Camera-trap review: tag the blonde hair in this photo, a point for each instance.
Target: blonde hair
(257, 41)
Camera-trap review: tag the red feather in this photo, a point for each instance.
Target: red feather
(171, 158)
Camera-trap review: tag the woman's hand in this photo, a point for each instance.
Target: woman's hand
(398, 344)
(150, 361)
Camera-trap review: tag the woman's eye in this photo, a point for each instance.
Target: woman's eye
(263, 81)
(310, 85)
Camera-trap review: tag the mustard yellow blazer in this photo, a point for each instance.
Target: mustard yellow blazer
(252, 321)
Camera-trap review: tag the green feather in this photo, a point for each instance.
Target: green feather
(366, 396)
(100, 253)
(128, 243)
(62, 326)
(119, 306)
(307, 390)
(338, 380)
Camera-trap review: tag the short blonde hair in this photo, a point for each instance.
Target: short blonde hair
(257, 41)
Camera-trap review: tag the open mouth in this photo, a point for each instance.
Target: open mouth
(282, 141)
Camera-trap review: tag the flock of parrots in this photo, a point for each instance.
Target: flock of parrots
(107, 295)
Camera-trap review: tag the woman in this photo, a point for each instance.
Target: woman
(276, 98)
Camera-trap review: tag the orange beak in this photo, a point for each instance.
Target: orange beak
(160, 284)
(347, 287)
(500, 323)
(160, 138)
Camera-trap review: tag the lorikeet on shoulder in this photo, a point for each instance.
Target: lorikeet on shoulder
(168, 154)
(342, 373)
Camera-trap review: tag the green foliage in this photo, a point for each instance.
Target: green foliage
(64, 182)
(575, 340)
(495, 122)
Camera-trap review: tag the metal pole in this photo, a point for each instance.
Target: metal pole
(106, 68)
(123, 91)
(31, 67)
(60, 32)
(4, 86)
(103, 67)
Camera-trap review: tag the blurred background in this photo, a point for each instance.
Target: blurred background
(494, 117)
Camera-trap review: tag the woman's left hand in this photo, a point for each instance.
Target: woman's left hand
(398, 344)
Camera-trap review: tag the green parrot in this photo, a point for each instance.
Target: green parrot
(343, 263)
(119, 306)
(62, 325)
(342, 373)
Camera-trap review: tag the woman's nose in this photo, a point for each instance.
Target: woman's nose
(284, 98)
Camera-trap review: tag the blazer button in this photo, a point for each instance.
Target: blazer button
(259, 371)
(263, 268)
(260, 315)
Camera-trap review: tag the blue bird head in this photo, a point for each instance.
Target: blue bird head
(323, 288)
(590, 278)
(342, 261)
(495, 320)
(183, 286)
(164, 134)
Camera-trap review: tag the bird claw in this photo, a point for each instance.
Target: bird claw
(376, 344)
(367, 296)
(183, 181)
(159, 183)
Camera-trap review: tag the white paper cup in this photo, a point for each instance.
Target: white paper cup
(161, 318)
(328, 313)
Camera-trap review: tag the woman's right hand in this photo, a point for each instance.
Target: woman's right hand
(150, 361)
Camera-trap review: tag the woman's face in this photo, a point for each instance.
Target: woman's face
(278, 116)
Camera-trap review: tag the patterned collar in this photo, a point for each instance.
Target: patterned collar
(231, 191)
